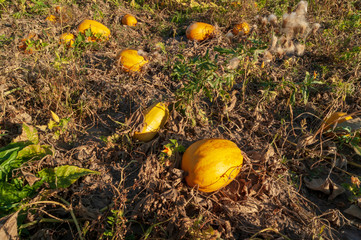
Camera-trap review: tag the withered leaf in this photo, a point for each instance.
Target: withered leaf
(9, 227)
(354, 211)
(326, 186)
(136, 120)
(305, 141)
(30, 178)
(353, 124)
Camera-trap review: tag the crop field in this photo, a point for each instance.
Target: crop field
(100, 101)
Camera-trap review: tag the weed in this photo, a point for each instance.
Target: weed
(170, 149)
(26, 148)
(116, 221)
(200, 78)
(57, 125)
(354, 188)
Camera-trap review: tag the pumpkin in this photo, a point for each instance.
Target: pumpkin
(96, 28)
(130, 60)
(67, 38)
(51, 18)
(129, 20)
(211, 164)
(199, 31)
(154, 119)
(241, 28)
(335, 118)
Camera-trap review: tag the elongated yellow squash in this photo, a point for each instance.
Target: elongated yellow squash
(154, 119)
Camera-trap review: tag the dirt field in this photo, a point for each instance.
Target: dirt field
(268, 90)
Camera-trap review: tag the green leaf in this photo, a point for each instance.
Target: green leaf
(11, 193)
(63, 176)
(31, 133)
(16, 156)
(356, 148)
(34, 152)
(52, 124)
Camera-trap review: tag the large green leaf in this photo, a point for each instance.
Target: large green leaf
(34, 152)
(63, 176)
(18, 157)
(6, 151)
(14, 192)
(31, 133)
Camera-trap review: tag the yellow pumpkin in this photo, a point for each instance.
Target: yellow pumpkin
(154, 119)
(131, 60)
(67, 38)
(96, 28)
(211, 164)
(129, 20)
(199, 31)
(241, 28)
(335, 118)
(51, 18)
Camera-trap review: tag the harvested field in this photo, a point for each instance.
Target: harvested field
(70, 167)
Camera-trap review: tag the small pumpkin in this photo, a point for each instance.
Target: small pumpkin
(67, 38)
(97, 29)
(199, 31)
(130, 60)
(129, 20)
(241, 28)
(211, 164)
(51, 18)
(154, 119)
(335, 118)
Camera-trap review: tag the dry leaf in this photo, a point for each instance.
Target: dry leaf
(337, 190)
(353, 124)
(30, 178)
(9, 229)
(234, 63)
(326, 186)
(354, 211)
(305, 141)
(269, 153)
(235, 208)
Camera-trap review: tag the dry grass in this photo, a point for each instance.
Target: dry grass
(272, 105)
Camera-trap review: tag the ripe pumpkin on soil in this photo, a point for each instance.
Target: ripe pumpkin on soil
(335, 118)
(67, 38)
(241, 28)
(199, 31)
(154, 119)
(96, 28)
(129, 20)
(130, 60)
(212, 164)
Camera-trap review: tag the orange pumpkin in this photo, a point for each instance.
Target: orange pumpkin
(199, 31)
(241, 28)
(67, 38)
(129, 20)
(97, 29)
(130, 60)
(211, 164)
